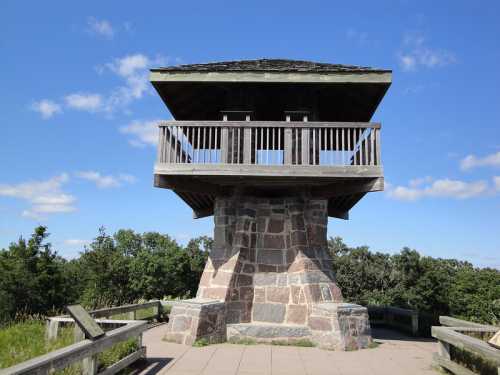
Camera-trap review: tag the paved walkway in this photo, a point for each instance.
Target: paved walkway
(396, 355)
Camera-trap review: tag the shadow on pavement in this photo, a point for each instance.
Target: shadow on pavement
(380, 333)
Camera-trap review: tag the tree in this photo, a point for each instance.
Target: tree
(31, 277)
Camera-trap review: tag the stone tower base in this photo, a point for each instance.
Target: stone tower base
(269, 277)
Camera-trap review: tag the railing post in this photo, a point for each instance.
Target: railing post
(78, 334)
(414, 323)
(305, 146)
(444, 349)
(132, 315)
(288, 146)
(90, 365)
(224, 145)
(247, 145)
(377, 145)
(52, 329)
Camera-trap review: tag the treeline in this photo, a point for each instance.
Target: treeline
(409, 280)
(112, 270)
(128, 266)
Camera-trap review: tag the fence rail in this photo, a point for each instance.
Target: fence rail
(391, 317)
(269, 143)
(453, 334)
(86, 351)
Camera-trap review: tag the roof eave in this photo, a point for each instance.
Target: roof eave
(365, 76)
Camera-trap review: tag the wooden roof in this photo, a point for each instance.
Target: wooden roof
(269, 65)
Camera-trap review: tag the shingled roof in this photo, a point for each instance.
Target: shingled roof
(269, 65)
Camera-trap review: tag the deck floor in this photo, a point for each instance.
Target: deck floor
(397, 354)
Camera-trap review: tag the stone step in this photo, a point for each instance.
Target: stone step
(267, 332)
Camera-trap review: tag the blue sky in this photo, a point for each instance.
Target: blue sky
(78, 115)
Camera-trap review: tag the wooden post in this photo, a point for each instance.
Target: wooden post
(52, 329)
(377, 147)
(224, 146)
(78, 334)
(247, 146)
(444, 349)
(288, 146)
(414, 323)
(305, 146)
(90, 365)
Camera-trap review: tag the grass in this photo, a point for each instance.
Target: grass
(305, 343)
(25, 340)
(201, 342)
(242, 341)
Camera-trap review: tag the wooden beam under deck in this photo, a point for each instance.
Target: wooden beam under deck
(249, 170)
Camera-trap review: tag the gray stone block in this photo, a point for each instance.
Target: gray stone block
(269, 312)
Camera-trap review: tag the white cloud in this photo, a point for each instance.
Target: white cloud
(105, 181)
(74, 242)
(443, 188)
(472, 161)
(420, 181)
(47, 108)
(45, 197)
(100, 27)
(84, 102)
(496, 182)
(415, 53)
(143, 132)
(133, 69)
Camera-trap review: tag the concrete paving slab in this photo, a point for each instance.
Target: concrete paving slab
(395, 355)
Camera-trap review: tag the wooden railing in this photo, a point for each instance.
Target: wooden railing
(456, 334)
(85, 351)
(395, 317)
(269, 143)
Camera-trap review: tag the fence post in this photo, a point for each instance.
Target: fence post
(89, 365)
(52, 329)
(414, 323)
(132, 315)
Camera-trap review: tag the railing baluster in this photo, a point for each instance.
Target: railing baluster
(239, 145)
(372, 151)
(366, 148)
(210, 145)
(331, 146)
(377, 144)
(280, 158)
(349, 145)
(256, 130)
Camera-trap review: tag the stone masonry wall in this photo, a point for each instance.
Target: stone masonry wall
(270, 259)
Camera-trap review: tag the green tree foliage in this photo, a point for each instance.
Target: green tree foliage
(128, 266)
(409, 280)
(32, 277)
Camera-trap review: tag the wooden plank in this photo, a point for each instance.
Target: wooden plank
(247, 146)
(454, 322)
(288, 147)
(124, 362)
(224, 145)
(378, 146)
(270, 170)
(273, 124)
(350, 187)
(304, 157)
(446, 363)
(381, 76)
(61, 358)
(85, 322)
(468, 343)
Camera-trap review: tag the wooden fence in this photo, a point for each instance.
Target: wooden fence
(395, 317)
(456, 336)
(86, 351)
(269, 143)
